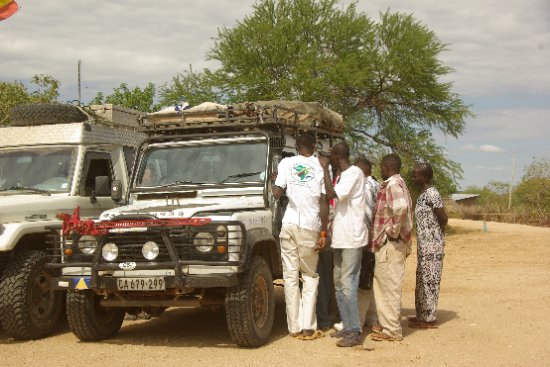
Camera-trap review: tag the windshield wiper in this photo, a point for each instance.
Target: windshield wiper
(32, 189)
(239, 175)
(176, 183)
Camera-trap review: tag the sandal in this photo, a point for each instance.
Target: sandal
(376, 328)
(297, 335)
(312, 334)
(383, 337)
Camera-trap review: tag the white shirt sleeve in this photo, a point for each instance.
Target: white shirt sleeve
(348, 181)
(282, 171)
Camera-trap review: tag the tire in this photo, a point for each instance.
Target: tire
(45, 114)
(29, 307)
(88, 320)
(250, 305)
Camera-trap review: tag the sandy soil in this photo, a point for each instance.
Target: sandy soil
(494, 311)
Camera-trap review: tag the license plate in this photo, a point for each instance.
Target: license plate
(141, 284)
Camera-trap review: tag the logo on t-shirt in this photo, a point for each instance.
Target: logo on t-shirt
(302, 172)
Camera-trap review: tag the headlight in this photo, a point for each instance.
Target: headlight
(204, 241)
(150, 250)
(87, 244)
(109, 251)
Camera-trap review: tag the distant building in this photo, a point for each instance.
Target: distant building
(464, 199)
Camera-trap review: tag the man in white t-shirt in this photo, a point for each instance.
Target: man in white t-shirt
(367, 306)
(349, 235)
(302, 235)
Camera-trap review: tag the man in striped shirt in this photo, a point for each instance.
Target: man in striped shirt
(391, 244)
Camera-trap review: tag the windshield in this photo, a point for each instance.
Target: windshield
(199, 164)
(37, 169)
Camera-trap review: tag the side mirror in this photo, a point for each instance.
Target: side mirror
(116, 190)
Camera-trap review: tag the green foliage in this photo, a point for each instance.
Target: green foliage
(11, 95)
(191, 87)
(48, 89)
(473, 190)
(384, 76)
(15, 93)
(533, 192)
(137, 98)
(530, 197)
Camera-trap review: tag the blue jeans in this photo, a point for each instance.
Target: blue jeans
(347, 267)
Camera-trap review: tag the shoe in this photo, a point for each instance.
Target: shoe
(384, 337)
(338, 326)
(423, 324)
(351, 339)
(311, 334)
(376, 328)
(296, 335)
(339, 334)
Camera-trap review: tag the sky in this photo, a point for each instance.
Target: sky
(499, 50)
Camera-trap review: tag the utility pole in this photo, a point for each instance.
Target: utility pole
(79, 90)
(512, 180)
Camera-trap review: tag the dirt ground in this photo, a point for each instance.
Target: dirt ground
(494, 310)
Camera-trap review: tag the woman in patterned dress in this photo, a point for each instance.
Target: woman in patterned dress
(430, 221)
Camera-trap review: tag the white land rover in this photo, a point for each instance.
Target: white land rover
(53, 158)
(202, 228)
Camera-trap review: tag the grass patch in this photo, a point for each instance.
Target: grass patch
(456, 230)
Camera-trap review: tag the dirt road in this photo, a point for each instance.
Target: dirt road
(494, 311)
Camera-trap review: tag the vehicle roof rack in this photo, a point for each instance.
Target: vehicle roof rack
(292, 116)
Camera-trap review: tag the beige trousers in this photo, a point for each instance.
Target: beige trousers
(389, 270)
(298, 256)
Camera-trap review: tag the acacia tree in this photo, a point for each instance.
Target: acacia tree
(533, 191)
(384, 76)
(137, 98)
(15, 93)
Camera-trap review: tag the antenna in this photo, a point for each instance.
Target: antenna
(79, 90)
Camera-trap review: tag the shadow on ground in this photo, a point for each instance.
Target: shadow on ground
(192, 328)
(443, 316)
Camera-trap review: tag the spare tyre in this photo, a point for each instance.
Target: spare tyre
(45, 113)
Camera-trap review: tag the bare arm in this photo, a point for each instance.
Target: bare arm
(324, 211)
(276, 190)
(442, 217)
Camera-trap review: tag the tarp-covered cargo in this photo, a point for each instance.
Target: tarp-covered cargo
(297, 114)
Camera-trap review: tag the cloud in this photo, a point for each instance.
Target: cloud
(490, 149)
(495, 46)
(130, 41)
(487, 148)
(495, 169)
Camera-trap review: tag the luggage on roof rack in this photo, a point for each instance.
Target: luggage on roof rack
(295, 115)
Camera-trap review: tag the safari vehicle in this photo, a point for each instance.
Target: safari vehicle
(52, 159)
(202, 228)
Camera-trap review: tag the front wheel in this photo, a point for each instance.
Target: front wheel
(250, 305)
(29, 307)
(90, 321)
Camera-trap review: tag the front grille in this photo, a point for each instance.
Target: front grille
(130, 245)
(182, 238)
